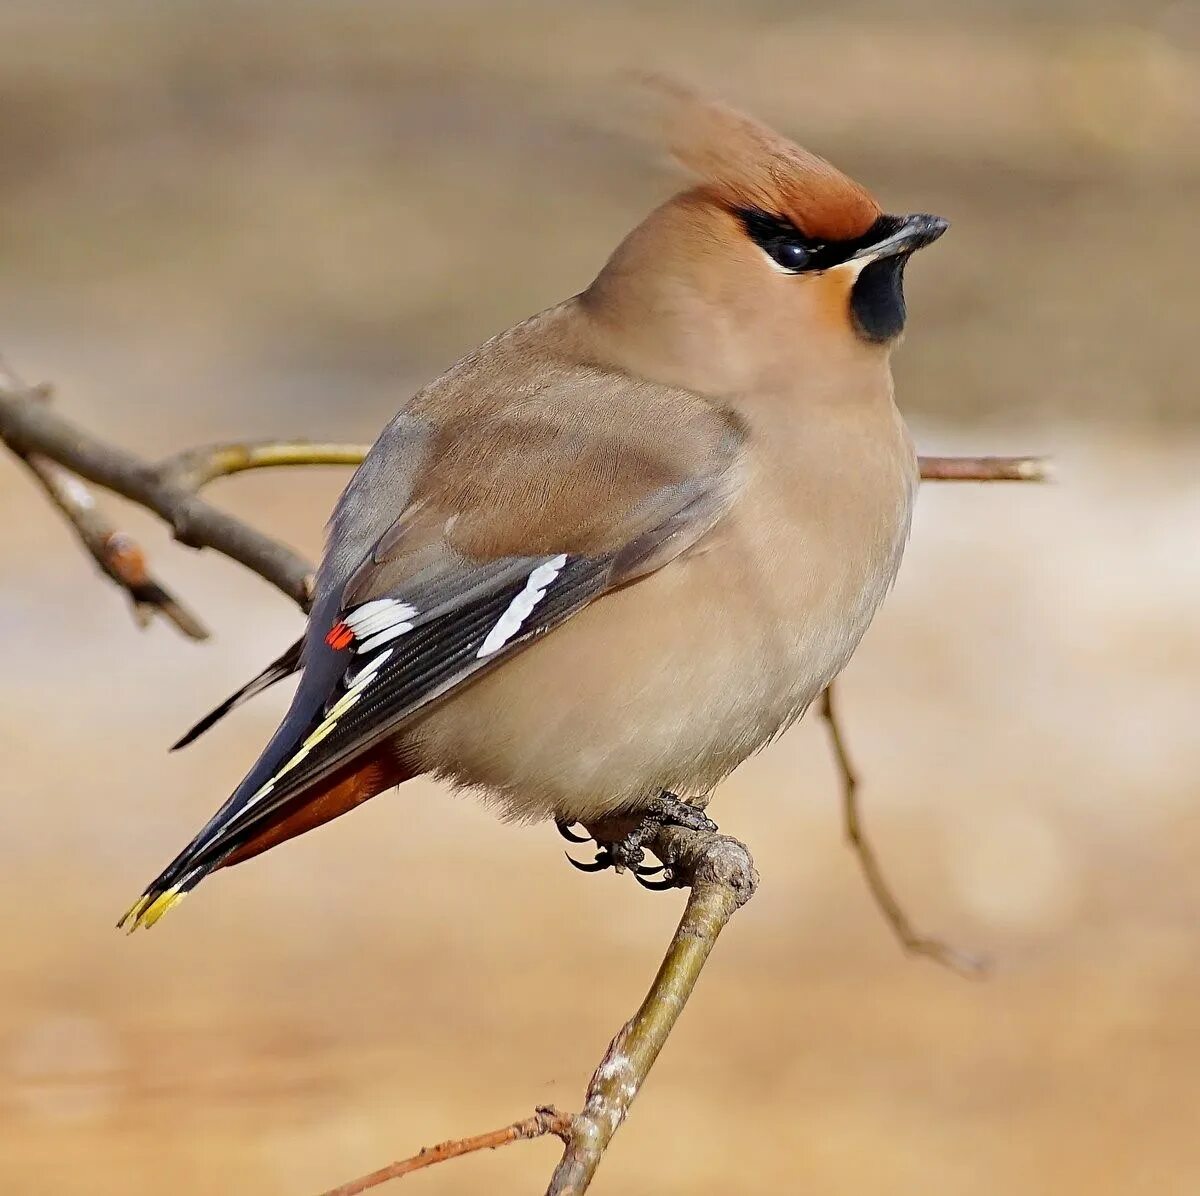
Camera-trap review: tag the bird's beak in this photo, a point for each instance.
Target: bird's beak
(909, 234)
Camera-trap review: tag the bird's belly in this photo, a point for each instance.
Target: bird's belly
(669, 683)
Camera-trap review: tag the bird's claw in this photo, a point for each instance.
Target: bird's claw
(564, 829)
(606, 858)
(602, 861)
(657, 886)
(629, 854)
(623, 854)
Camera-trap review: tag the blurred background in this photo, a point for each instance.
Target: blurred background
(247, 219)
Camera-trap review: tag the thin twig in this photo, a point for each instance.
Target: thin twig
(169, 490)
(547, 1120)
(195, 468)
(985, 469)
(722, 878)
(118, 554)
(913, 942)
(31, 428)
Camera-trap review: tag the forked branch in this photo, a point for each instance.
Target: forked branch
(38, 435)
(31, 429)
(720, 877)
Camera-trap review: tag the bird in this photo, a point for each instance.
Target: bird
(623, 545)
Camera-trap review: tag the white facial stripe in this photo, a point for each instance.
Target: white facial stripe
(855, 266)
(521, 606)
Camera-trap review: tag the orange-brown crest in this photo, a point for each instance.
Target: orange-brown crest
(745, 164)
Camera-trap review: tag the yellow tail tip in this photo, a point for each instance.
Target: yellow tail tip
(128, 921)
(145, 912)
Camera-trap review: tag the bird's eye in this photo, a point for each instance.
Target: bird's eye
(782, 241)
(791, 255)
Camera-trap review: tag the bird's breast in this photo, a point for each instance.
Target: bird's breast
(817, 537)
(674, 680)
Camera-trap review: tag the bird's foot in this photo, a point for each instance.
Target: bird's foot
(628, 851)
(672, 810)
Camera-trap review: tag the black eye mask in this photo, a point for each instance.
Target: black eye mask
(877, 306)
(796, 253)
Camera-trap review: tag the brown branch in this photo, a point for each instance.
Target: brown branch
(547, 1120)
(118, 554)
(985, 469)
(721, 878)
(170, 490)
(913, 942)
(197, 467)
(30, 428)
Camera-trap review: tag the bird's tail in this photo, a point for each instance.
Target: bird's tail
(330, 797)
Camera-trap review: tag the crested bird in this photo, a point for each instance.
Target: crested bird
(621, 546)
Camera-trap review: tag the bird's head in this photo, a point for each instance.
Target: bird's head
(772, 256)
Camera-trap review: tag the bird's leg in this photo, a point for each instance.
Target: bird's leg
(667, 809)
(664, 810)
(672, 810)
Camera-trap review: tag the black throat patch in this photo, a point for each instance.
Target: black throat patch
(877, 299)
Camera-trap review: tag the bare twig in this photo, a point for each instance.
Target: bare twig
(933, 469)
(30, 428)
(910, 939)
(169, 490)
(985, 469)
(116, 553)
(547, 1120)
(197, 467)
(722, 878)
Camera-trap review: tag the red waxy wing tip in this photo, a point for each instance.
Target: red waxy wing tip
(340, 636)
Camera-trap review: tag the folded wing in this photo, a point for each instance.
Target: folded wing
(510, 521)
